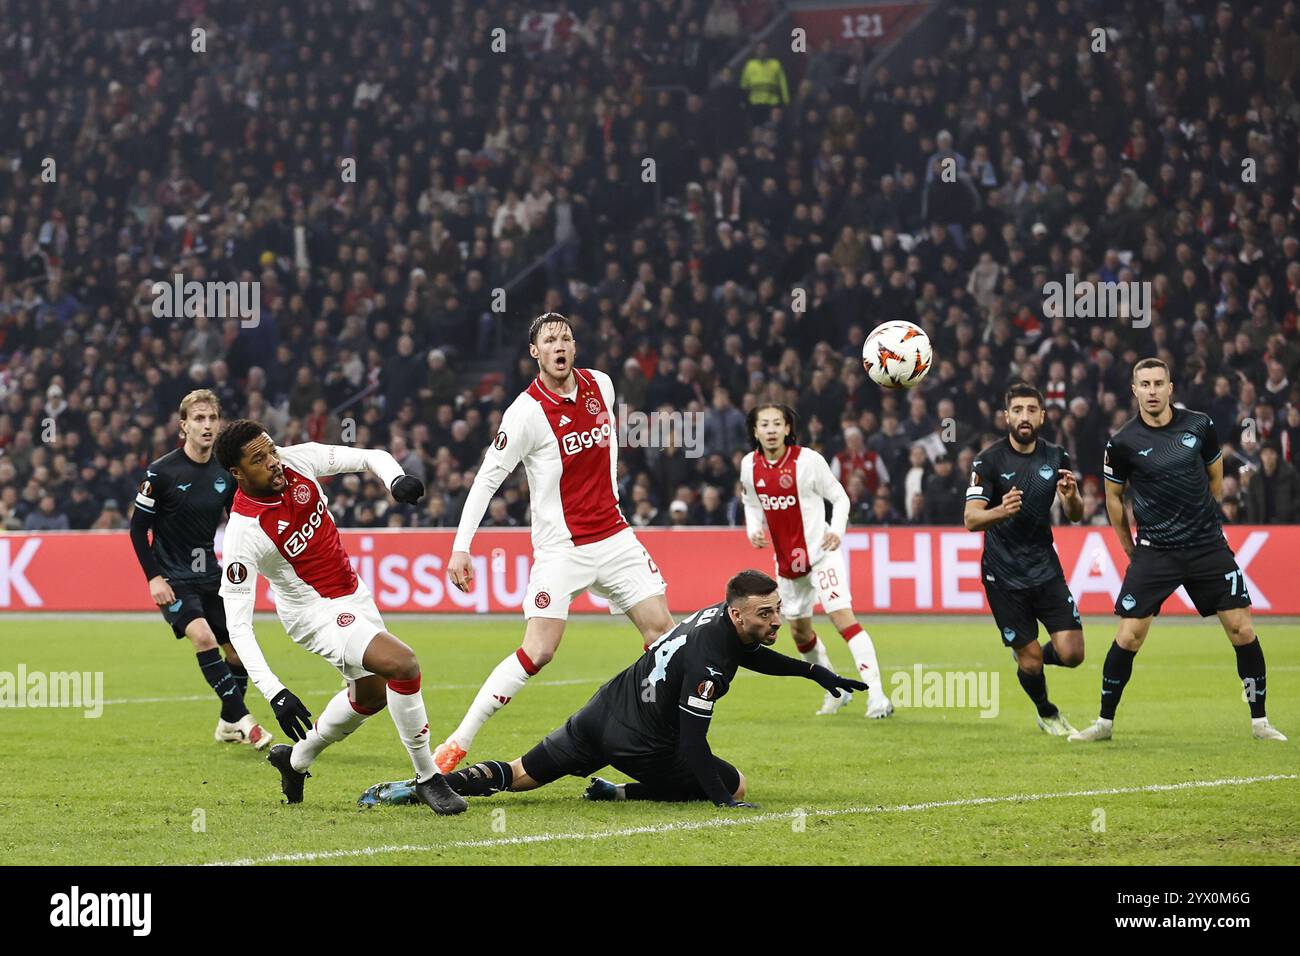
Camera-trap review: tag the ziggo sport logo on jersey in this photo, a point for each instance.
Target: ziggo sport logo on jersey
(599, 435)
(776, 502)
(296, 543)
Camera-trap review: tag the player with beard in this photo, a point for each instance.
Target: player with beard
(651, 721)
(1022, 575)
(1170, 458)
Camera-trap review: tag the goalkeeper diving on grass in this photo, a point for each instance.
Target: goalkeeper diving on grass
(651, 721)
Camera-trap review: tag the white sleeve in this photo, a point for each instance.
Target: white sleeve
(238, 593)
(833, 492)
(316, 460)
(606, 386)
(513, 440)
(753, 510)
(881, 470)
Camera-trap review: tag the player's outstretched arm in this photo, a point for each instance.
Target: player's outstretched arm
(764, 660)
(320, 460)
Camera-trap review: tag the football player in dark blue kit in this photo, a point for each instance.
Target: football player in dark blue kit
(1169, 459)
(1021, 573)
(182, 500)
(651, 721)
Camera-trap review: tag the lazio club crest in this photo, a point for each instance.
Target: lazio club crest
(220, 485)
(1189, 440)
(1045, 472)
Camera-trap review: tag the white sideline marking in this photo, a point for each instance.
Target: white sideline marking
(563, 683)
(335, 690)
(747, 820)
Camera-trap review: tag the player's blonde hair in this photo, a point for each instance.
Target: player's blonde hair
(200, 396)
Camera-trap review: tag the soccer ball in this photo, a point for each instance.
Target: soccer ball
(897, 355)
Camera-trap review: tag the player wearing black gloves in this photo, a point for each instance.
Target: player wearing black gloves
(651, 721)
(407, 489)
(281, 528)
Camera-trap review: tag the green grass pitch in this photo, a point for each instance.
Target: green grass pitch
(1181, 782)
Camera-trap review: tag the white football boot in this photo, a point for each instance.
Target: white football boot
(1261, 729)
(1099, 730)
(879, 706)
(253, 733)
(833, 705)
(227, 733)
(1056, 725)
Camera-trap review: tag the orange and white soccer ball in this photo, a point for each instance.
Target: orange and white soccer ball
(897, 355)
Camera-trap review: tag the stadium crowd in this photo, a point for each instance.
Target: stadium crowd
(1169, 158)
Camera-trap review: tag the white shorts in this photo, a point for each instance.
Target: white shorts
(616, 568)
(826, 584)
(339, 630)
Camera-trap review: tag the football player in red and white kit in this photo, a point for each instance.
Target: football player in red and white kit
(280, 526)
(562, 428)
(787, 487)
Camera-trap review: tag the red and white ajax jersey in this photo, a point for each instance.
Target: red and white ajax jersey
(291, 538)
(569, 447)
(790, 495)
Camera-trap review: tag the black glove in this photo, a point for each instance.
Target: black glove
(833, 682)
(740, 805)
(294, 717)
(407, 489)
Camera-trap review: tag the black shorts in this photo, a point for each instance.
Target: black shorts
(1209, 573)
(589, 741)
(1018, 612)
(194, 601)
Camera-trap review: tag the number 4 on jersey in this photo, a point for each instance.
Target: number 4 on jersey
(663, 651)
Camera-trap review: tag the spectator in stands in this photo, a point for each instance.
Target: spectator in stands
(763, 80)
(883, 512)
(1273, 491)
(857, 459)
(944, 499)
(1062, 173)
(46, 517)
